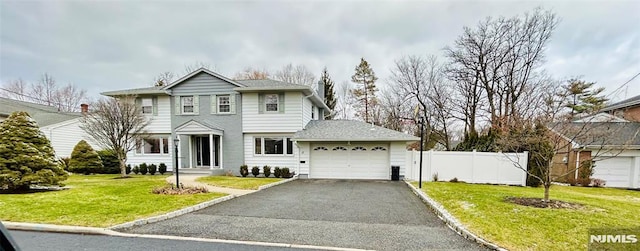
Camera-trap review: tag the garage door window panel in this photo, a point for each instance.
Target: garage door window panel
(339, 148)
(359, 148)
(378, 148)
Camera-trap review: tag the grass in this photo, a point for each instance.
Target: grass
(97, 201)
(481, 208)
(246, 183)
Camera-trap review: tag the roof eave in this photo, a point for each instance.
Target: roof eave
(200, 70)
(269, 88)
(355, 140)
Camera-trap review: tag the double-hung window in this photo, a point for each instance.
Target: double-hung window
(153, 146)
(147, 106)
(273, 146)
(224, 104)
(187, 104)
(271, 102)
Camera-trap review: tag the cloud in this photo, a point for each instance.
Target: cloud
(111, 45)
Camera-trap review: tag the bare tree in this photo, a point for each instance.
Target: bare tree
(249, 73)
(116, 124)
(345, 101)
(298, 74)
(65, 98)
(16, 89)
(503, 56)
(163, 79)
(195, 66)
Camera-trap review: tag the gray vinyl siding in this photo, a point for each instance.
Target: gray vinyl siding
(202, 84)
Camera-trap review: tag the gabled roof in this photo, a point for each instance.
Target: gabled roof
(43, 114)
(196, 72)
(348, 130)
(139, 91)
(601, 117)
(199, 125)
(623, 104)
(260, 85)
(269, 84)
(616, 135)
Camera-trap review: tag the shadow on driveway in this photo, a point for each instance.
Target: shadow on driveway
(381, 215)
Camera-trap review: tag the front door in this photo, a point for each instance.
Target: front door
(203, 150)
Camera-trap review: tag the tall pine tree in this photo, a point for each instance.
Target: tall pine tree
(366, 94)
(329, 94)
(582, 98)
(26, 155)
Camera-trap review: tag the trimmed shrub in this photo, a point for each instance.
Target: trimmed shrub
(26, 155)
(144, 169)
(128, 170)
(110, 162)
(266, 170)
(162, 168)
(277, 172)
(136, 169)
(64, 162)
(244, 170)
(84, 159)
(255, 171)
(285, 173)
(435, 177)
(454, 180)
(153, 169)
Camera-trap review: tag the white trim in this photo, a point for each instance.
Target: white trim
(204, 129)
(190, 152)
(212, 161)
(218, 103)
(220, 154)
(262, 145)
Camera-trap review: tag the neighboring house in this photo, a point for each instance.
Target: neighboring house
(612, 141)
(222, 124)
(628, 109)
(61, 128)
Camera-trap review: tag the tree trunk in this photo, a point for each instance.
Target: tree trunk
(123, 167)
(546, 192)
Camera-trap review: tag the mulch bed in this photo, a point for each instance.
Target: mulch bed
(539, 203)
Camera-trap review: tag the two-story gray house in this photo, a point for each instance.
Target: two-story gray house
(223, 123)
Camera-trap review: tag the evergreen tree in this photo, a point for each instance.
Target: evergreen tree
(26, 155)
(582, 98)
(366, 96)
(329, 94)
(84, 159)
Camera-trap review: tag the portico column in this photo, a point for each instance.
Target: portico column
(190, 153)
(211, 149)
(220, 152)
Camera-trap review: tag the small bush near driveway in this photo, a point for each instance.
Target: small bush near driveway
(484, 211)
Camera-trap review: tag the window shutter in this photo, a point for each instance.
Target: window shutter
(232, 103)
(139, 103)
(155, 106)
(178, 106)
(196, 104)
(214, 104)
(281, 103)
(260, 103)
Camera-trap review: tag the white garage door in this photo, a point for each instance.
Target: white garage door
(355, 161)
(615, 171)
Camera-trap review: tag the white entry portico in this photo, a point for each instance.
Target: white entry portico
(204, 143)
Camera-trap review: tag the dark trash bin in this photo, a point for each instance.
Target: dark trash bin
(395, 172)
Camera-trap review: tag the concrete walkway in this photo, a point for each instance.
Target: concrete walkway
(190, 180)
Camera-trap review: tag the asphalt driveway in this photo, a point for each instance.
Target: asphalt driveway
(381, 215)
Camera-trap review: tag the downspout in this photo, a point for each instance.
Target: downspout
(297, 159)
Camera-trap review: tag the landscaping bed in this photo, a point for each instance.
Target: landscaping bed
(97, 200)
(246, 183)
(490, 212)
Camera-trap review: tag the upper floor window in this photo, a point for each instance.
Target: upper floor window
(224, 104)
(147, 105)
(187, 104)
(271, 102)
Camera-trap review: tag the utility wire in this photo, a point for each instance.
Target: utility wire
(622, 86)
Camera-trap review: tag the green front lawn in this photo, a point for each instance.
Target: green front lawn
(481, 208)
(246, 183)
(97, 201)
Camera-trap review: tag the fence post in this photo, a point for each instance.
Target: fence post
(473, 166)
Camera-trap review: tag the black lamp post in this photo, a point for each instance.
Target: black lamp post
(421, 148)
(176, 144)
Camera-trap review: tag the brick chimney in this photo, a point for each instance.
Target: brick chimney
(84, 108)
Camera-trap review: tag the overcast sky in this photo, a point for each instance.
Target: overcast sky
(110, 45)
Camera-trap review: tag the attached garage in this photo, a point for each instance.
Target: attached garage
(350, 161)
(616, 171)
(347, 149)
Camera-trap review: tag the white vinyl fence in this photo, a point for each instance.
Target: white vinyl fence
(470, 167)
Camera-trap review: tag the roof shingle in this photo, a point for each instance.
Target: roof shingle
(348, 130)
